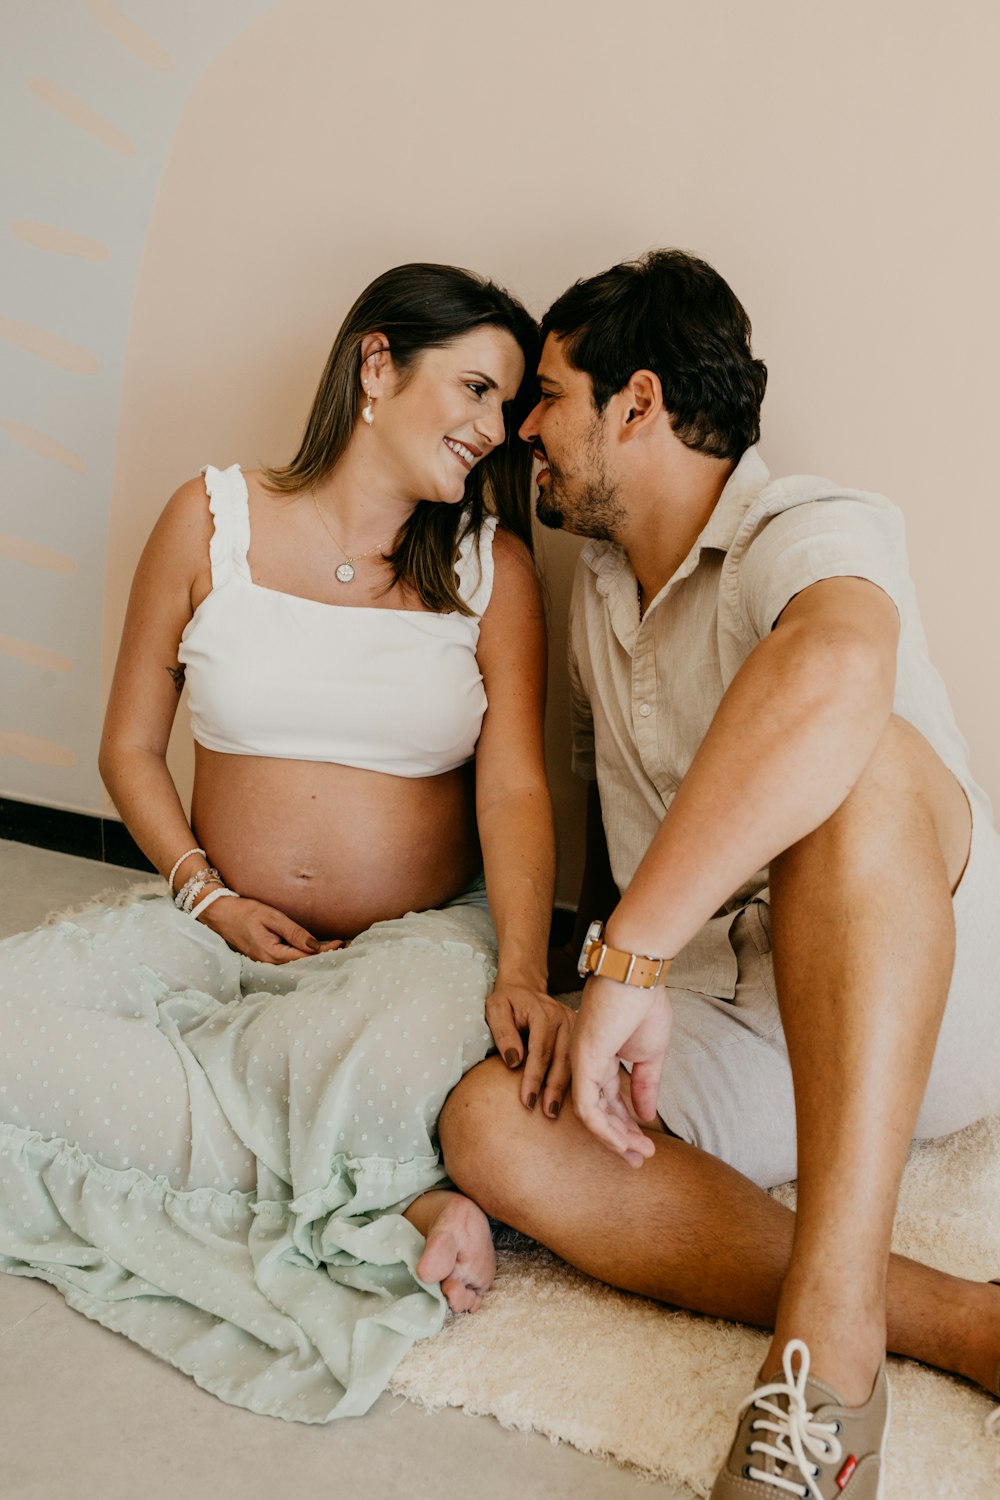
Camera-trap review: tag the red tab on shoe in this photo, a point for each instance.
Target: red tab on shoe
(844, 1477)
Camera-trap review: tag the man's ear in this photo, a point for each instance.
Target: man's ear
(641, 403)
(376, 363)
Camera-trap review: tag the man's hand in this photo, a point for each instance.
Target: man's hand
(261, 932)
(515, 1010)
(619, 1023)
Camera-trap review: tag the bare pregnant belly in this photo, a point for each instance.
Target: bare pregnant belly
(332, 846)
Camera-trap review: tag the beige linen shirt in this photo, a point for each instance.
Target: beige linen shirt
(645, 691)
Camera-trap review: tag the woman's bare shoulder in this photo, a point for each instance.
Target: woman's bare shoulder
(181, 536)
(513, 565)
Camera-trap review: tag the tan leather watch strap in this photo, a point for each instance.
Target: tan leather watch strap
(639, 969)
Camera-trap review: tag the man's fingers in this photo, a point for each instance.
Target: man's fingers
(605, 1116)
(645, 1084)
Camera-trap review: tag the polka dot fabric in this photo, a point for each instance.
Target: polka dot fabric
(213, 1156)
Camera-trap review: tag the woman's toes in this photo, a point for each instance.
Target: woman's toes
(460, 1298)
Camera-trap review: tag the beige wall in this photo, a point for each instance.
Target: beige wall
(835, 163)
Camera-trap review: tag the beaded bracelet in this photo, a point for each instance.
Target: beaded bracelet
(206, 901)
(192, 889)
(186, 855)
(181, 896)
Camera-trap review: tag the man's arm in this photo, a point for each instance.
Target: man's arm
(791, 736)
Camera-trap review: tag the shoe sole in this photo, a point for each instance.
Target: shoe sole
(880, 1492)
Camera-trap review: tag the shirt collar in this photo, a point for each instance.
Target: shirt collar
(607, 559)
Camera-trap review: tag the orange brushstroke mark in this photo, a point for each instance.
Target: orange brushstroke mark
(63, 241)
(35, 656)
(21, 550)
(81, 115)
(42, 752)
(48, 346)
(44, 446)
(107, 14)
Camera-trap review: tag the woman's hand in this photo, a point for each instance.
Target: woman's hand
(514, 1011)
(261, 932)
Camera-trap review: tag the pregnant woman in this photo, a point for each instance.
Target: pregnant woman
(218, 1107)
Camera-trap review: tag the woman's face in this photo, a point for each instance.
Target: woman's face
(447, 415)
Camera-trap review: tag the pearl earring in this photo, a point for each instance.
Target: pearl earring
(368, 412)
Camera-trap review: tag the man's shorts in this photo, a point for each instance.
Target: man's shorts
(727, 1085)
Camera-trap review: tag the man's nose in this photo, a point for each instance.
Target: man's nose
(528, 429)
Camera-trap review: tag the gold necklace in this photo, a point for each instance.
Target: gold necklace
(345, 573)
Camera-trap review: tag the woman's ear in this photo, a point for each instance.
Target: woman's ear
(376, 363)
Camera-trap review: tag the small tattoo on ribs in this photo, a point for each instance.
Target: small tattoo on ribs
(177, 673)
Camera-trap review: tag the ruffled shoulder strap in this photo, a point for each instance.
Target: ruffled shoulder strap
(475, 566)
(229, 502)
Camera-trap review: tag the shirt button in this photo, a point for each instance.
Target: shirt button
(645, 710)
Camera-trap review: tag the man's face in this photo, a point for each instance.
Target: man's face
(569, 437)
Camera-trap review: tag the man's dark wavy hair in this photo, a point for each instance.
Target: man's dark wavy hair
(673, 314)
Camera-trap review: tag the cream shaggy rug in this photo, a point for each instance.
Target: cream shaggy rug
(616, 1375)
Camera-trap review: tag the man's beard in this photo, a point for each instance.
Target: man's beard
(596, 512)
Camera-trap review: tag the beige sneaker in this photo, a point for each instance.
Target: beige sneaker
(796, 1437)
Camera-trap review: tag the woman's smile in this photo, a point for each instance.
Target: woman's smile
(465, 454)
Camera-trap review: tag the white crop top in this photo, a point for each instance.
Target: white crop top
(275, 674)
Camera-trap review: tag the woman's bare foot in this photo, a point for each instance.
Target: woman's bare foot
(459, 1250)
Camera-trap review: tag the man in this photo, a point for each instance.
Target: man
(784, 804)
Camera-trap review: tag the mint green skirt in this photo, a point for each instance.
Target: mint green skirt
(212, 1156)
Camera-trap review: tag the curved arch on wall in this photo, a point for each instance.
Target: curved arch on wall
(90, 103)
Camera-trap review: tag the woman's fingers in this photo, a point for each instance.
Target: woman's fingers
(558, 1076)
(512, 1011)
(541, 1046)
(503, 1026)
(291, 933)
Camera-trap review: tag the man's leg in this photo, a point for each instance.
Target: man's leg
(864, 931)
(685, 1228)
(863, 939)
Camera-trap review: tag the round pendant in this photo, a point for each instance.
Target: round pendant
(344, 573)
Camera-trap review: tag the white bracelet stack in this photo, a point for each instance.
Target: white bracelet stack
(192, 889)
(186, 855)
(206, 901)
(189, 898)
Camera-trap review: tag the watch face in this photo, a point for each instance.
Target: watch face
(592, 938)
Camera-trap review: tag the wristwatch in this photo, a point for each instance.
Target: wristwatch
(640, 969)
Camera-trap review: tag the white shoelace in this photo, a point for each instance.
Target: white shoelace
(797, 1438)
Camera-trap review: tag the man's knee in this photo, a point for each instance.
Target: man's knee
(474, 1125)
(905, 796)
(907, 779)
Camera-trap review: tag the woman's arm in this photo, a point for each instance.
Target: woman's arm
(148, 680)
(173, 576)
(598, 897)
(515, 826)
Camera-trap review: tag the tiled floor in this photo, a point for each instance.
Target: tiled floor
(85, 1415)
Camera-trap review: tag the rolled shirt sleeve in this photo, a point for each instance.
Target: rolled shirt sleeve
(839, 537)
